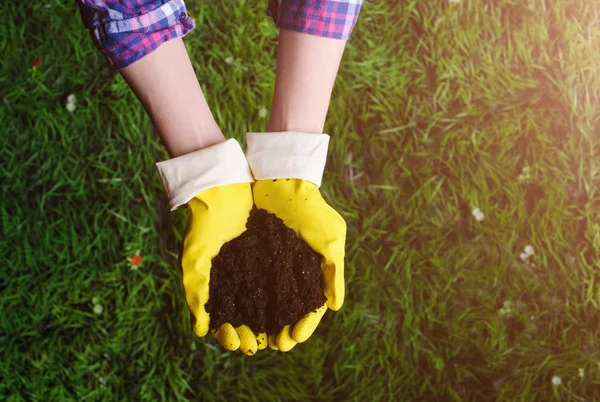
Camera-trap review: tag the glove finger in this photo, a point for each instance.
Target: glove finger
(261, 340)
(333, 276)
(305, 327)
(331, 245)
(285, 342)
(200, 322)
(247, 338)
(227, 337)
(273, 342)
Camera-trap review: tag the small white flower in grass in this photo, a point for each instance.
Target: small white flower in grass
(229, 60)
(525, 174)
(262, 112)
(581, 372)
(477, 214)
(98, 309)
(528, 252)
(556, 381)
(71, 99)
(101, 380)
(506, 308)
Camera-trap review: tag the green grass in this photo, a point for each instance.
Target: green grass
(437, 109)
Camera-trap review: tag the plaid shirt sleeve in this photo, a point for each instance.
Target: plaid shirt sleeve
(127, 30)
(328, 18)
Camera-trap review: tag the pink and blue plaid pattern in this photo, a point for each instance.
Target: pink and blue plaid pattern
(127, 30)
(328, 18)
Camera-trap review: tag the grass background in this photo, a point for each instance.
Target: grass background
(437, 110)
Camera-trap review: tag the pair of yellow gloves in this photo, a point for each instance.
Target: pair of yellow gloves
(281, 173)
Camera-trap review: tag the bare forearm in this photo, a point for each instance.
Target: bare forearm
(165, 83)
(306, 69)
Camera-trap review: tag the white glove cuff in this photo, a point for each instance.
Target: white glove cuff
(184, 177)
(287, 155)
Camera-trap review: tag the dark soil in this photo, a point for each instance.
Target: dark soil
(266, 278)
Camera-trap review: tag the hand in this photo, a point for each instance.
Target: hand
(288, 167)
(215, 185)
(216, 216)
(300, 205)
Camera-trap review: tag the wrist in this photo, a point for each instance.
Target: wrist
(303, 119)
(194, 141)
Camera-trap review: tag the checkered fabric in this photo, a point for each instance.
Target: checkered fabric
(327, 18)
(127, 30)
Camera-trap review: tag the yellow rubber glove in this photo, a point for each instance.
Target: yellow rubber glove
(302, 208)
(216, 216)
(288, 168)
(214, 183)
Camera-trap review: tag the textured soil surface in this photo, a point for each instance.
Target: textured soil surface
(266, 278)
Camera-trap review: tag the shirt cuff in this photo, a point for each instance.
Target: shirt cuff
(328, 18)
(124, 36)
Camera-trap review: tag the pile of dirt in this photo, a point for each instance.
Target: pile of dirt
(266, 278)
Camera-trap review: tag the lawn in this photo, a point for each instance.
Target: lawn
(464, 134)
